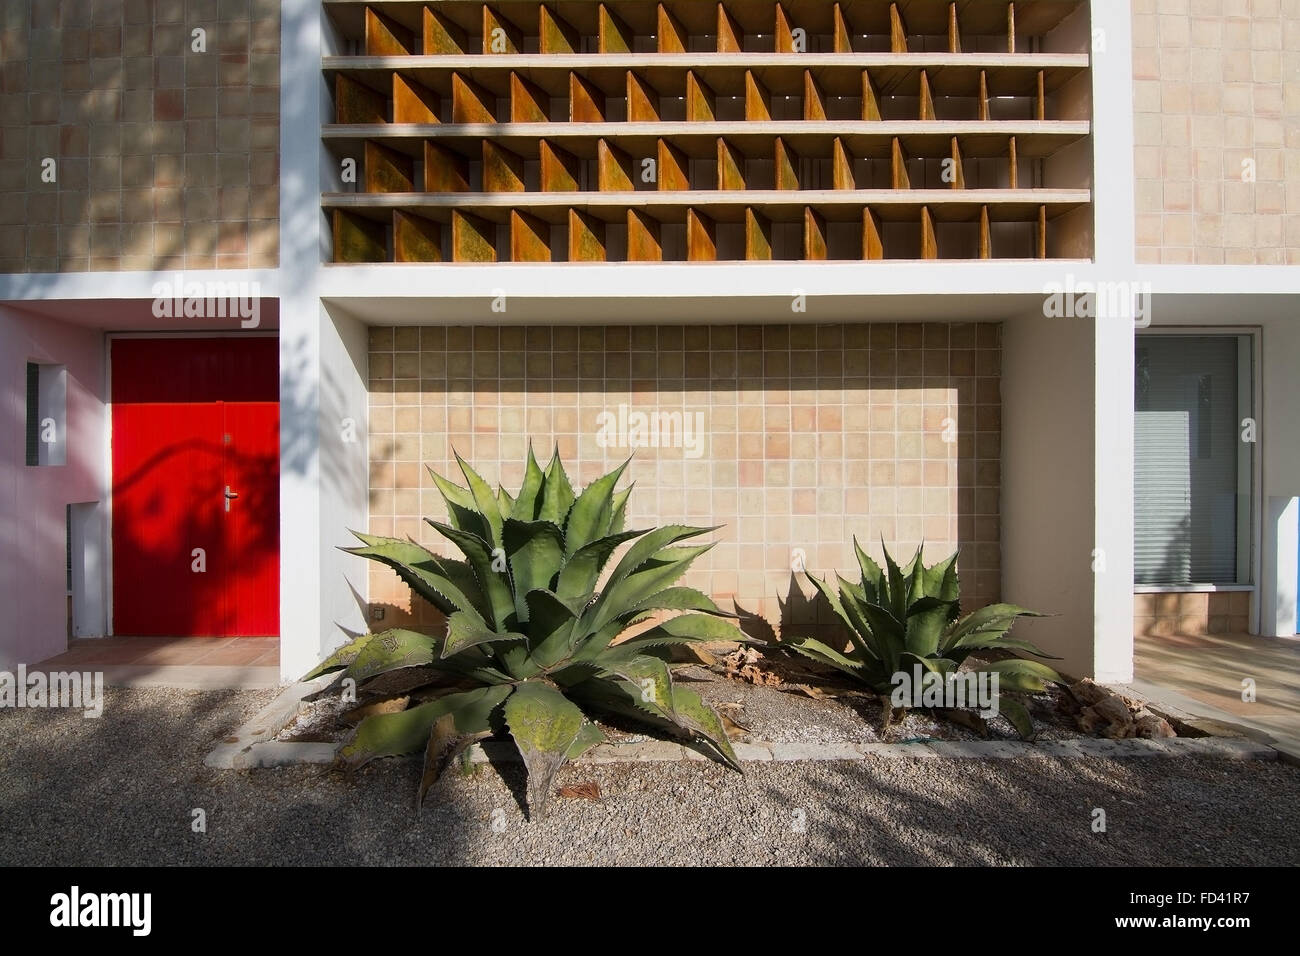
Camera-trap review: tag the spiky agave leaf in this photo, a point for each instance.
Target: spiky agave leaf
(819, 651)
(682, 599)
(873, 578)
(464, 632)
(462, 513)
(535, 553)
(528, 501)
(684, 629)
(392, 650)
(589, 736)
(1017, 714)
(704, 723)
(689, 718)
(582, 569)
(418, 567)
(551, 625)
(544, 725)
(985, 628)
(854, 625)
(494, 584)
(1018, 674)
(649, 674)
(391, 735)
(619, 512)
(341, 657)
(647, 546)
(487, 503)
(910, 614)
(472, 718)
(557, 493)
(933, 604)
(525, 619)
(590, 515)
(658, 571)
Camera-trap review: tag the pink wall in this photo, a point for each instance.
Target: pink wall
(33, 625)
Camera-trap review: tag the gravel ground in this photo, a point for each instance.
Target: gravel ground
(768, 714)
(120, 790)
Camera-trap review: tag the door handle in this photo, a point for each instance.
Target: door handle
(230, 495)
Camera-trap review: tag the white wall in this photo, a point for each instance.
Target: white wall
(324, 402)
(33, 594)
(1067, 489)
(345, 474)
(1279, 449)
(1276, 317)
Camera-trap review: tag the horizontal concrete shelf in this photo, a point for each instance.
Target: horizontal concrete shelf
(1011, 205)
(1034, 139)
(854, 21)
(950, 74)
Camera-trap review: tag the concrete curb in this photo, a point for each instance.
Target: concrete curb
(1179, 708)
(253, 746)
(280, 754)
(191, 677)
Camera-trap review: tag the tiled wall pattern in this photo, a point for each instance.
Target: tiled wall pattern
(1168, 614)
(166, 158)
(811, 434)
(1217, 82)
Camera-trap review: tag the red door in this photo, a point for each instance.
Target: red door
(196, 487)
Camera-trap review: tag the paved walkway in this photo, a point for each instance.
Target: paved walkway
(197, 663)
(1204, 675)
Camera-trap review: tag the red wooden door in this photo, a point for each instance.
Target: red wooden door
(196, 486)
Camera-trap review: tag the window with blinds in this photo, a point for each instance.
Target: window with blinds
(33, 430)
(1192, 476)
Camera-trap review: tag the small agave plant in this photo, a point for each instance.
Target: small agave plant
(901, 617)
(530, 646)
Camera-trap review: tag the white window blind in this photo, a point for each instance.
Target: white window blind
(1191, 478)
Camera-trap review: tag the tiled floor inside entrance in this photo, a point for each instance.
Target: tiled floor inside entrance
(1209, 670)
(199, 662)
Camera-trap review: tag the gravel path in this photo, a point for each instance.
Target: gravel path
(120, 790)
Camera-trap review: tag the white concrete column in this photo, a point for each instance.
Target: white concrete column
(1067, 488)
(1277, 593)
(301, 88)
(323, 377)
(1114, 203)
(1112, 479)
(1115, 215)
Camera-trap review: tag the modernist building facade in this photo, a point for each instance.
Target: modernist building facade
(1015, 278)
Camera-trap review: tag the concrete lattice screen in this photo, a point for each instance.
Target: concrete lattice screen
(744, 130)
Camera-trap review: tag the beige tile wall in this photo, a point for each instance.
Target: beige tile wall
(1171, 613)
(812, 434)
(167, 158)
(1217, 82)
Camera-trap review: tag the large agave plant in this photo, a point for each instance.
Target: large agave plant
(898, 617)
(530, 645)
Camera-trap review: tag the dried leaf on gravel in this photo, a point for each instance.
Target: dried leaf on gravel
(734, 730)
(964, 718)
(745, 663)
(394, 705)
(581, 791)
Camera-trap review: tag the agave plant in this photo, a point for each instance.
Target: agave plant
(531, 648)
(901, 617)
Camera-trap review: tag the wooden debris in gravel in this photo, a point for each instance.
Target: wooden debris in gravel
(1099, 710)
(394, 705)
(581, 791)
(744, 663)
